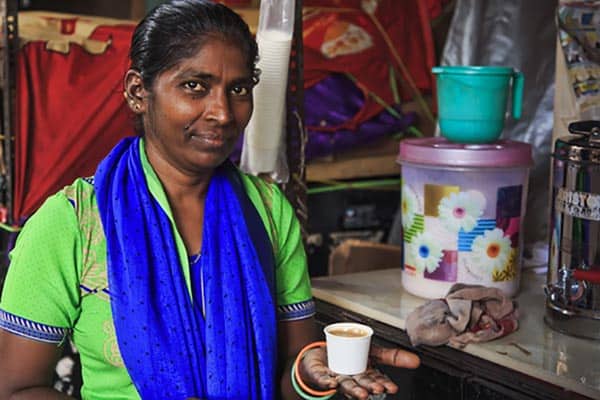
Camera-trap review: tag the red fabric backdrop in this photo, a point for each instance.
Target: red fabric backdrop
(70, 112)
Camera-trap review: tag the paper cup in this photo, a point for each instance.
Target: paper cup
(348, 345)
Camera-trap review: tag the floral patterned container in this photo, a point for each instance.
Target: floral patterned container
(462, 214)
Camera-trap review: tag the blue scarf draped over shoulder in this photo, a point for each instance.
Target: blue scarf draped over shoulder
(170, 349)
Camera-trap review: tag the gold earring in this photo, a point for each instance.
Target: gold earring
(125, 94)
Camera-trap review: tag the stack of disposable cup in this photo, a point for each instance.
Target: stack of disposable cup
(263, 139)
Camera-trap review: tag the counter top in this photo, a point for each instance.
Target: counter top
(534, 349)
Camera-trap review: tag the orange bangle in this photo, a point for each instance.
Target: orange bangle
(297, 371)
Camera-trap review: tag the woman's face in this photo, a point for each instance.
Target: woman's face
(198, 108)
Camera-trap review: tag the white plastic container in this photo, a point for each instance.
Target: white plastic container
(463, 207)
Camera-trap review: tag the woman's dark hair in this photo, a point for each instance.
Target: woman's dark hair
(174, 30)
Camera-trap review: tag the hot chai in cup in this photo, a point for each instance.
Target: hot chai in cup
(348, 345)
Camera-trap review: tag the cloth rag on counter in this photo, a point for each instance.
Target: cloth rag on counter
(468, 314)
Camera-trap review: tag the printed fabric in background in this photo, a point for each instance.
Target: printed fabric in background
(362, 60)
(361, 39)
(579, 36)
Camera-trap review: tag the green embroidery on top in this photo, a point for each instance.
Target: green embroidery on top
(266, 192)
(112, 354)
(93, 280)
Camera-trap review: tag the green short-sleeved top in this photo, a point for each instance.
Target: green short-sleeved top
(56, 284)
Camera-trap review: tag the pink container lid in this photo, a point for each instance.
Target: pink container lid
(438, 151)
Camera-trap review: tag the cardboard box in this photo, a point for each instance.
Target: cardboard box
(357, 256)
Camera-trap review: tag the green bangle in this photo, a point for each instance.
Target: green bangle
(301, 392)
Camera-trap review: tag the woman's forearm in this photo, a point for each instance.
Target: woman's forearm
(286, 388)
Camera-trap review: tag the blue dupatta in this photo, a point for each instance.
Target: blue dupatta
(169, 348)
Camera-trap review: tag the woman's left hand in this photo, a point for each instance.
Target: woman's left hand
(315, 373)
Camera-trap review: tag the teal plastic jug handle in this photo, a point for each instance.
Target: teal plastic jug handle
(517, 95)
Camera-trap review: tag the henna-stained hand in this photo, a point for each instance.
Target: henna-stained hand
(315, 373)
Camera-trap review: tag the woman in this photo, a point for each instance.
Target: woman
(175, 275)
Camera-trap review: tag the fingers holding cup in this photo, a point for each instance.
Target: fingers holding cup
(314, 368)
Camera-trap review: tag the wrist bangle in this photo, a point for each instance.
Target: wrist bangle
(301, 392)
(297, 379)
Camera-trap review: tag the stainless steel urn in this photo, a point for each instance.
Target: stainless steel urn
(573, 284)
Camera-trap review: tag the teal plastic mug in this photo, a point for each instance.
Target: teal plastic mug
(472, 101)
